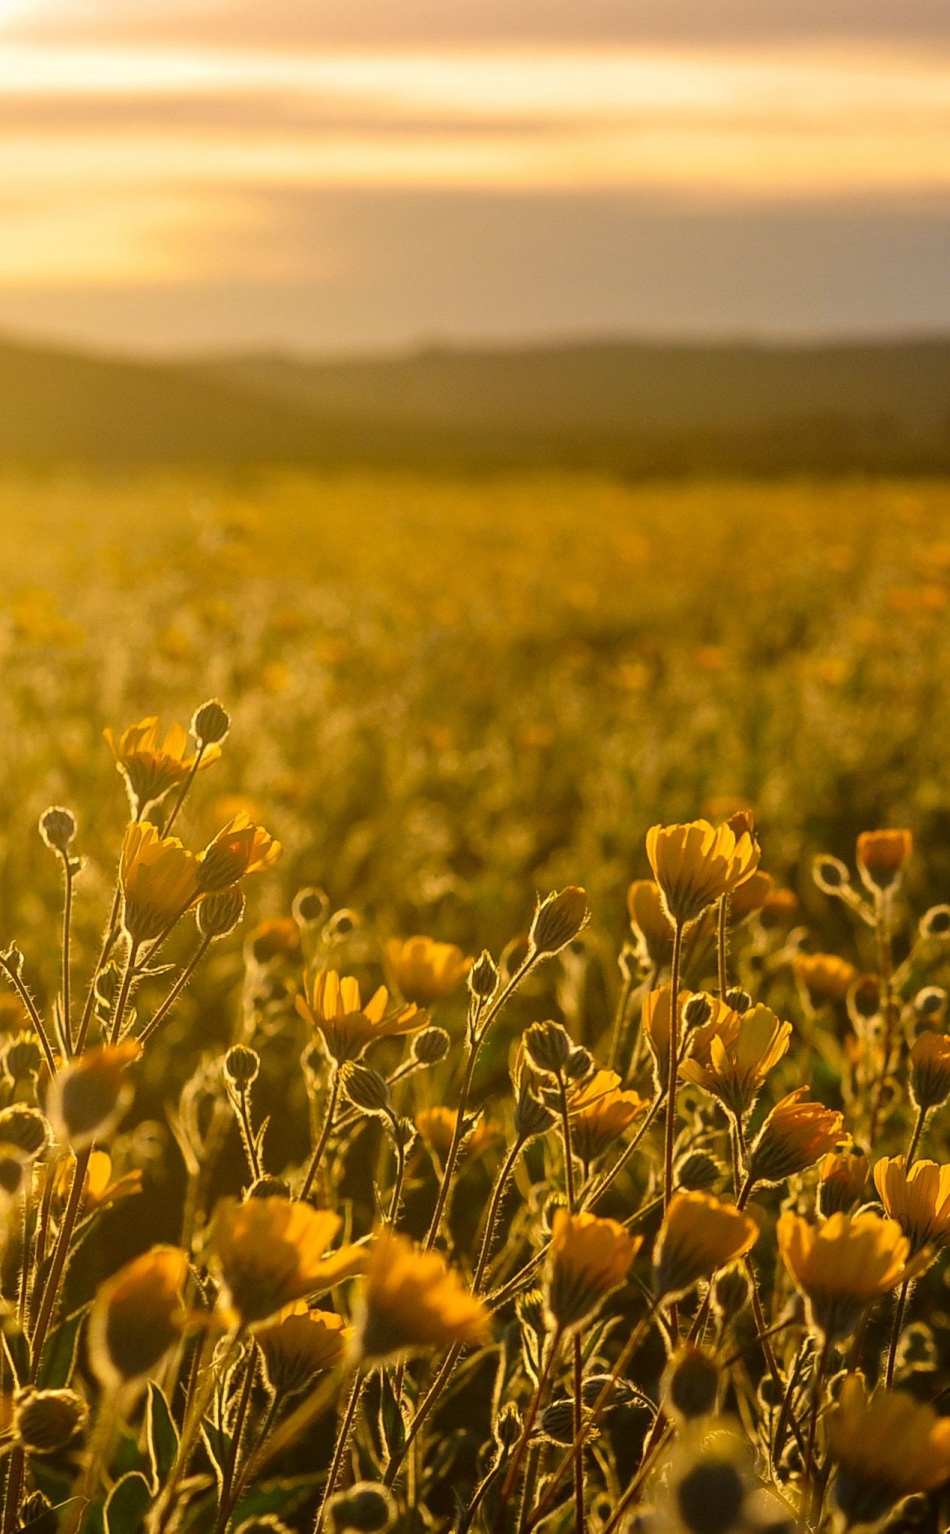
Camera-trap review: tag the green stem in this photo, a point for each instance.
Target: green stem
(161, 1012)
(124, 989)
(491, 1218)
(674, 1064)
(896, 1332)
(66, 967)
(722, 935)
(321, 1145)
(340, 1448)
(173, 816)
(915, 1138)
(517, 1459)
(226, 1503)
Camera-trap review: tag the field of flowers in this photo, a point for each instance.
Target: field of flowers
(473, 1008)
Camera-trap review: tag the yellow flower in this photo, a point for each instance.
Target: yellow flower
(89, 1095)
(649, 920)
(794, 1135)
(436, 1128)
(930, 1069)
(882, 857)
(740, 1060)
(842, 1176)
(349, 1027)
(599, 1117)
(699, 1235)
(695, 1043)
(137, 1316)
(589, 1257)
(151, 769)
(99, 1190)
(299, 1345)
(696, 863)
(159, 881)
(823, 976)
(885, 1448)
(410, 1300)
(424, 971)
(271, 1252)
(919, 1200)
(240, 848)
(842, 1265)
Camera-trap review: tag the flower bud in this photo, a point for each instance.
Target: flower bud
(936, 922)
(730, 1291)
(89, 1096)
(532, 1118)
(882, 857)
(57, 828)
(558, 920)
(697, 1011)
(365, 1088)
(219, 913)
(210, 723)
(698, 1171)
(507, 1427)
(37, 1515)
(547, 1046)
(690, 1383)
(830, 874)
(241, 1065)
(579, 1063)
(483, 977)
(310, 906)
(25, 1128)
(23, 1058)
(557, 1421)
(342, 923)
(367, 1508)
(739, 1000)
(45, 1420)
(930, 1002)
(430, 1046)
(709, 1497)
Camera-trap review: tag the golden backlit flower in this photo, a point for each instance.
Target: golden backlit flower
(823, 976)
(299, 1345)
(740, 1059)
(270, 1252)
(842, 1265)
(99, 1190)
(885, 1447)
(88, 1097)
(919, 1200)
(695, 864)
(349, 1027)
(793, 1137)
(842, 1176)
(159, 881)
(150, 769)
(436, 1127)
(598, 1121)
(694, 1043)
(240, 848)
(137, 1316)
(410, 1301)
(649, 920)
(424, 971)
(699, 1234)
(589, 1257)
(883, 856)
(930, 1069)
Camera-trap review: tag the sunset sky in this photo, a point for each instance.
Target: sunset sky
(328, 174)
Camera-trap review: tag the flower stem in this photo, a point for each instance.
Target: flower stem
(517, 1459)
(66, 966)
(673, 1063)
(340, 1448)
(896, 1333)
(161, 1012)
(321, 1144)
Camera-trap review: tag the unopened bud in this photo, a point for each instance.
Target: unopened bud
(210, 723)
(25, 1128)
(730, 1291)
(532, 1118)
(697, 1011)
(342, 923)
(930, 1002)
(483, 977)
(367, 1508)
(698, 1171)
(547, 1046)
(830, 874)
(936, 921)
(579, 1063)
(365, 1088)
(557, 920)
(241, 1065)
(44, 1420)
(690, 1383)
(430, 1046)
(310, 906)
(507, 1428)
(710, 1495)
(739, 1000)
(23, 1058)
(57, 828)
(219, 914)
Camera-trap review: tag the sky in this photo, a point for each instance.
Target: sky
(326, 176)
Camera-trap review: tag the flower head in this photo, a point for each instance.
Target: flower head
(333, 1005)
(239, 848)
(918, 1199)
(422, 970)
(823, 976)
(410, 1300)
(159, 881)
(137, 1316)
(699, 1235)
(740, 1059)
(842, 1265)
(436, 1128)
(930, 1069)
(695, 1043)
(883, 856)
(151, 768)
(842, 1175)
(885, 1448)
(600, 1113)
(299, 1345)
(793, 1137)
(589, 1257)
(695, 864)
(270, 1252)
(88, 1096)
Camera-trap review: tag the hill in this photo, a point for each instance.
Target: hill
(628, 408)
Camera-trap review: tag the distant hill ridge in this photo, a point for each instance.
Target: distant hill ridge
(619, 406)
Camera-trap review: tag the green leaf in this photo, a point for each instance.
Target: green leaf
(59, 1354)
(278, 1497)
(161, 1435)
(127, 1504)
(218, 1445)
(392, 1424)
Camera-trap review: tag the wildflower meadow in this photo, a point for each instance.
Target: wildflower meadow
(473, 989)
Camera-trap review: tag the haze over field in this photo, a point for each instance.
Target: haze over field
(221, 174)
